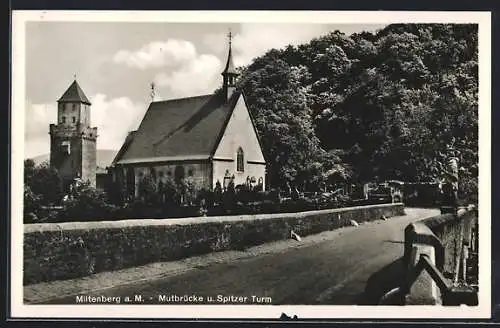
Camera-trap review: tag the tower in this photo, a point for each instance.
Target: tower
(229, 74)
(72, 139)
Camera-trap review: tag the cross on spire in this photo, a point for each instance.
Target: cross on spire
(74, 76)
(230, 37)
(229, 69)
(230, 73)
(153, 91)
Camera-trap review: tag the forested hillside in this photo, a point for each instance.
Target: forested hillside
(368, 106)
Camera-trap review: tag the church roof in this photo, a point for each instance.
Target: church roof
(179, 129)
(74, 94)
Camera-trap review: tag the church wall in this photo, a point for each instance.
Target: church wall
(240, 133)
(198, 172)
(250, 170)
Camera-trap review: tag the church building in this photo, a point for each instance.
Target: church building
(72, 139)
(211, 139)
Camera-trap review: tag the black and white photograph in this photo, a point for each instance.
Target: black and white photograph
(266, 165)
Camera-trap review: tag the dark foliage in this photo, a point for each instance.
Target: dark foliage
(369, 106)
(43, 181)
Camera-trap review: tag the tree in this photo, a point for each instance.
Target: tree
(279, 104)
(44, 182)
(368, 106)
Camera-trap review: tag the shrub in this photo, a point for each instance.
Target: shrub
(116, 193)
(468, 189)
(148, 190)
(187, 189)
(86, 202)
(229, 200)
(217, 193)
(169, 191)
(31, 204)
(43, 181)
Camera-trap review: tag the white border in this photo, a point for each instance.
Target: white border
(19, 18)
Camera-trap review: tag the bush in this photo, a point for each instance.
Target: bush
(87, 203)
(44, 182)
(116, 193)
(148, 190)
(31, 205)
(468, 189)
(187, 189)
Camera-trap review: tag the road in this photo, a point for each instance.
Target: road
(352, 265)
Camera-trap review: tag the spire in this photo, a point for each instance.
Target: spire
(74, 94)
(229, 74)
(229, 69)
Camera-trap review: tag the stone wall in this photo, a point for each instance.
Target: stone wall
(76, 249)
(442, 239)
(89, 158)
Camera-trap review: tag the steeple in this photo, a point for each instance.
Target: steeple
(73, 140)
(229, 74)
(74, 94)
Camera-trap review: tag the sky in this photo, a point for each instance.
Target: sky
(115, 63)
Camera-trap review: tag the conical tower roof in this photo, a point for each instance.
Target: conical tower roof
(230, 69)
(74, 94)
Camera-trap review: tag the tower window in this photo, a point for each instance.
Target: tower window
(240, 160)
(63, 119)
(66, 148)
(74, 106)
(73, 119)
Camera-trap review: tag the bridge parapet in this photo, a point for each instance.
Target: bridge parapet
(436, 254)
(77, 249)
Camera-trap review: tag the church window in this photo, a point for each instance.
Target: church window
(240, 160)
(190, 172)
(73, 119)
(74, 106)
(64, 119)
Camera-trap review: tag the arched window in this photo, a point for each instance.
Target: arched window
(240, 167)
